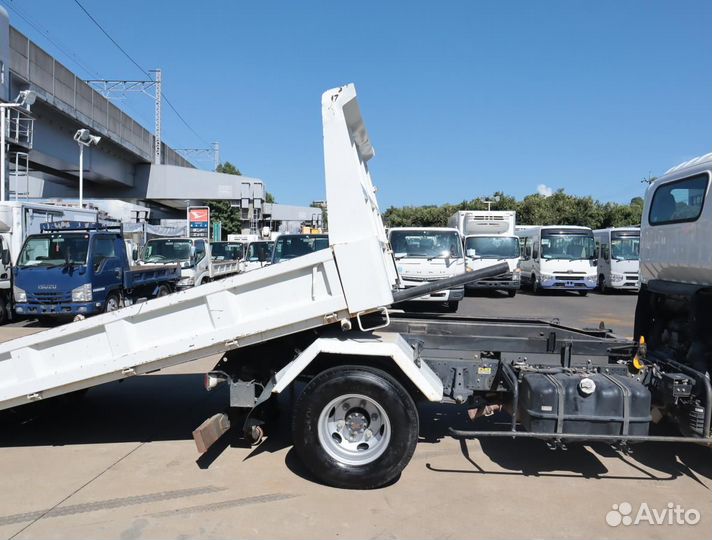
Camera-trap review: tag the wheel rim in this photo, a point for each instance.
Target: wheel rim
(354, 429)
(162, 292)
(112, 304)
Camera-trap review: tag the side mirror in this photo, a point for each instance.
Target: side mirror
(5, 257)
(134, 255)
(192, 252)
(261, 256)
(471, 253)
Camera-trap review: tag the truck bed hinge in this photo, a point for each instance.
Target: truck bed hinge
(128, 372)
(34, 397)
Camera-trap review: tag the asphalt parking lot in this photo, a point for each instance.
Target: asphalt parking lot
(121, 463)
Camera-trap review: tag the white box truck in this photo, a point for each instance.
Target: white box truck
(618, 250)
(558, 257)
(489, 238)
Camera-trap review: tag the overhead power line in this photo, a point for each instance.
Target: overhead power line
(135, 63)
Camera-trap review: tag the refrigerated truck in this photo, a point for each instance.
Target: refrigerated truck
(323, 318)
(489, 238)
(618, 251)
(558, 257)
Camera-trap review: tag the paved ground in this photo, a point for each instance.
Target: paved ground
(121, 464)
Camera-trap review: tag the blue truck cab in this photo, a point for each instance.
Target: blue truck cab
(75, 268)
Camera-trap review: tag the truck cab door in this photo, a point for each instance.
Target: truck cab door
(202, 262)
(106, 266)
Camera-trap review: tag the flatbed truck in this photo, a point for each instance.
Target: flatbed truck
(323, 319)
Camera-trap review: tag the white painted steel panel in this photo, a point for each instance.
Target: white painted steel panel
(355, 275)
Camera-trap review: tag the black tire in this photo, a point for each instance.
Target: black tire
(512, 293)
(536, 289)
(4, 311)
(583, 293)
(113, 302)
(163, 290)
(452, 306)
(602, 287)
(314, 404)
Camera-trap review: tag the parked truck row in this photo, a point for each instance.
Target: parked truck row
(322, 318)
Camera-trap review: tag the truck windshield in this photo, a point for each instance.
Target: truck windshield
(492, 247)
(166, 250)
(226, 251)
(625, 248)
(289, 247)
(259, 251)
(426, 244)
(567, 246)
(54, 250)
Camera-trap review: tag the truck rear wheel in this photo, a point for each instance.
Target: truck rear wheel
(512, 293)
(163, 290)
(4, 311)
(355, 427)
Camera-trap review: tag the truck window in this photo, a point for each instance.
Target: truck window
(492, 247)
(199, 250)
(426, 244)
(226, 251)
(54, 250)
(103, 249)
(678, 202)
(166, 250)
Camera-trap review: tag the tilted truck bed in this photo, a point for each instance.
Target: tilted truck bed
(310, 291)
(139, 276)
(218, 269)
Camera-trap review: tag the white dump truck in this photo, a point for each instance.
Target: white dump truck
(489, 238)
(194, 256)
(618, 250)
(323, 318)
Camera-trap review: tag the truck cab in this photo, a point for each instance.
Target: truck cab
(674, 310)
(618, 250)
(489, 239)
(227, 251)
(429, 254)
(192, 254)
(70, 272)
(258, 255)
(290, 246)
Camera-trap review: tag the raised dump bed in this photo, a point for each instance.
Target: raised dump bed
(318, 289)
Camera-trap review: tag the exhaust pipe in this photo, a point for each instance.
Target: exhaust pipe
(442, 284)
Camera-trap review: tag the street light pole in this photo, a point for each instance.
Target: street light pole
(83, 138)
(81, 175)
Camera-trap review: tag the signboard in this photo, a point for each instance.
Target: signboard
(198, 222)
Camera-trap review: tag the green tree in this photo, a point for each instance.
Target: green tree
(536, 209)
(222, 210)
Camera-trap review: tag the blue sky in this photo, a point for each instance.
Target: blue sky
(460, 98)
